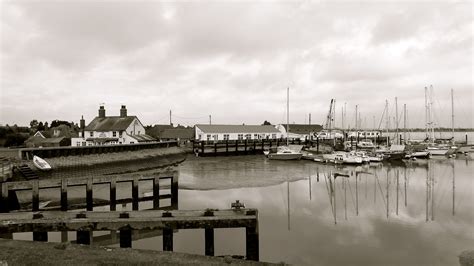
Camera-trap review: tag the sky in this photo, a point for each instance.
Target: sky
(235, 60)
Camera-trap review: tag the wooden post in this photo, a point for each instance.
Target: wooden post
(89, 198)
(63, 194)
(135, 199)
(226, 147)
(113, 194)
(252, 245)
(263, 144)
(236, 146)
(317, 144)
(84, 237)
(4, 202)
(125, 238)
(245, 143)
(209, 241)
(254, 147)
(202, 147)
(40, 236)
(174, 190)
(156, 193)
(167, 239)
(215, 148)
(64, 236)
(35, 196)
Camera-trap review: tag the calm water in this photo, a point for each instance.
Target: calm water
(378, 215)
(301, 223)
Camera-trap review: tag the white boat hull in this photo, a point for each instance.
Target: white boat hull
(438, 151)
(41, 163)
(285, 156)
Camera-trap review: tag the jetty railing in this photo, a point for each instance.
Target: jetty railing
(49, 152)
(63, 184)
(84, 223)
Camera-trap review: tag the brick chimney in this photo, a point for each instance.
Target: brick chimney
(101, 111)
(83, 125)
(123, 111)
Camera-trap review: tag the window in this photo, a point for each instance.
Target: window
(120, 134)
(240, 137)
(208, 137)
(83, 143)
(138, 132)
(248, 136)
(199, 137)
(114, 134)
(215, 137)
(131, 142)
(274, 136)
(255, 136)
(226, 136)
(91, 133)
(131, 132)
(90, 144)
(78, 144)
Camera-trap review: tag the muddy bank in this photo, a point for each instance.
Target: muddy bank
(15, 252)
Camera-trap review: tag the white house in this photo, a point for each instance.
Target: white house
(236, 132)
(111, 130)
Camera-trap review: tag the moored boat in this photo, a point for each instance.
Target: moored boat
(285, 153)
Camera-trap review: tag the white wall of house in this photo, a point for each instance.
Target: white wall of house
(124, 137)
(212, 136)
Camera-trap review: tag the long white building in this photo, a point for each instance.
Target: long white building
(111, 130)
(236, 132)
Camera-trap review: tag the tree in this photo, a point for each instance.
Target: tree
(34, 124)
(40, 126)
(266, 123)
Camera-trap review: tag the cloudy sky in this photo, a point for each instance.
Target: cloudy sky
(234, 60)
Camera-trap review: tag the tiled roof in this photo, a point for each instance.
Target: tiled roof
(143, 138)
(303, 128)
(110, 123)
(238, 129)
(39, 140)
(175, 133)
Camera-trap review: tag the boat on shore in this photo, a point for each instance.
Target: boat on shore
(41, 164)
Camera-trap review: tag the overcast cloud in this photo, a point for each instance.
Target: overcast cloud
(234, 60)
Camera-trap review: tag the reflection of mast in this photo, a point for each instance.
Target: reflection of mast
(310, 187)
(387, 192)
(432, 194)
(345, 198)
(288, 195)
(453, 188)
(357, 197)
(427, 191)
(405, 176)
(397, 191)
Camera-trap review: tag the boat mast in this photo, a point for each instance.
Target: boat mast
(404, 123)
(396, 122)
(426, 112)
(452, 115)
(287, 115)
(387, 118)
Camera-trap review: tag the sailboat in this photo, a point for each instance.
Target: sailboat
(433, 148)
(286, 152)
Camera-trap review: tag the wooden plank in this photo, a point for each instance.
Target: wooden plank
(135, 194)
(209, 241)
(35, 196)
(4, 203)
(113, 195)
(156, 193)
(89, 197)
(63, 194)
(167, 239)
(252, 243)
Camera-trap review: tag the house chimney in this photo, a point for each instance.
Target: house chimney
(83, 125)
(101, 111)
(123, 111)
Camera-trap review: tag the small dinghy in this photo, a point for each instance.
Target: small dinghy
(41, 163)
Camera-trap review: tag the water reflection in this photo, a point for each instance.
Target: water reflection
(374, 213)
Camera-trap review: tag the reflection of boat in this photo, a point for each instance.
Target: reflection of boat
(41, 163)
(266, 152)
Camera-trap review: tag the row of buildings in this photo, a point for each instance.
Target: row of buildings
(127, 129)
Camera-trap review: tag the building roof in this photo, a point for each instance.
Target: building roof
(110, 123)
(40, 140)
(303, 128)
(238, 129)
(178, 133)
(143, 138)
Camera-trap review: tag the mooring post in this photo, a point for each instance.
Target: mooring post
(63, 194)
(167, 239)
(84, 237)
(226, 147)
(174, 190)
(263, 144)
(236, 146)
(252, 245)
(254, 146)
(202, 147)
(64, 236)
(156, 193)
(35, 196)
(215, 148)
(125, 238)
(209, 241)
(4, 203)
(40, 236)
(113, 194)
(245, 143)
(317, 144)
(89, 199)
(135, 199)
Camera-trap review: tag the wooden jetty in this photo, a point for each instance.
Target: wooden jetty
(84, 223)
(8, 189)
